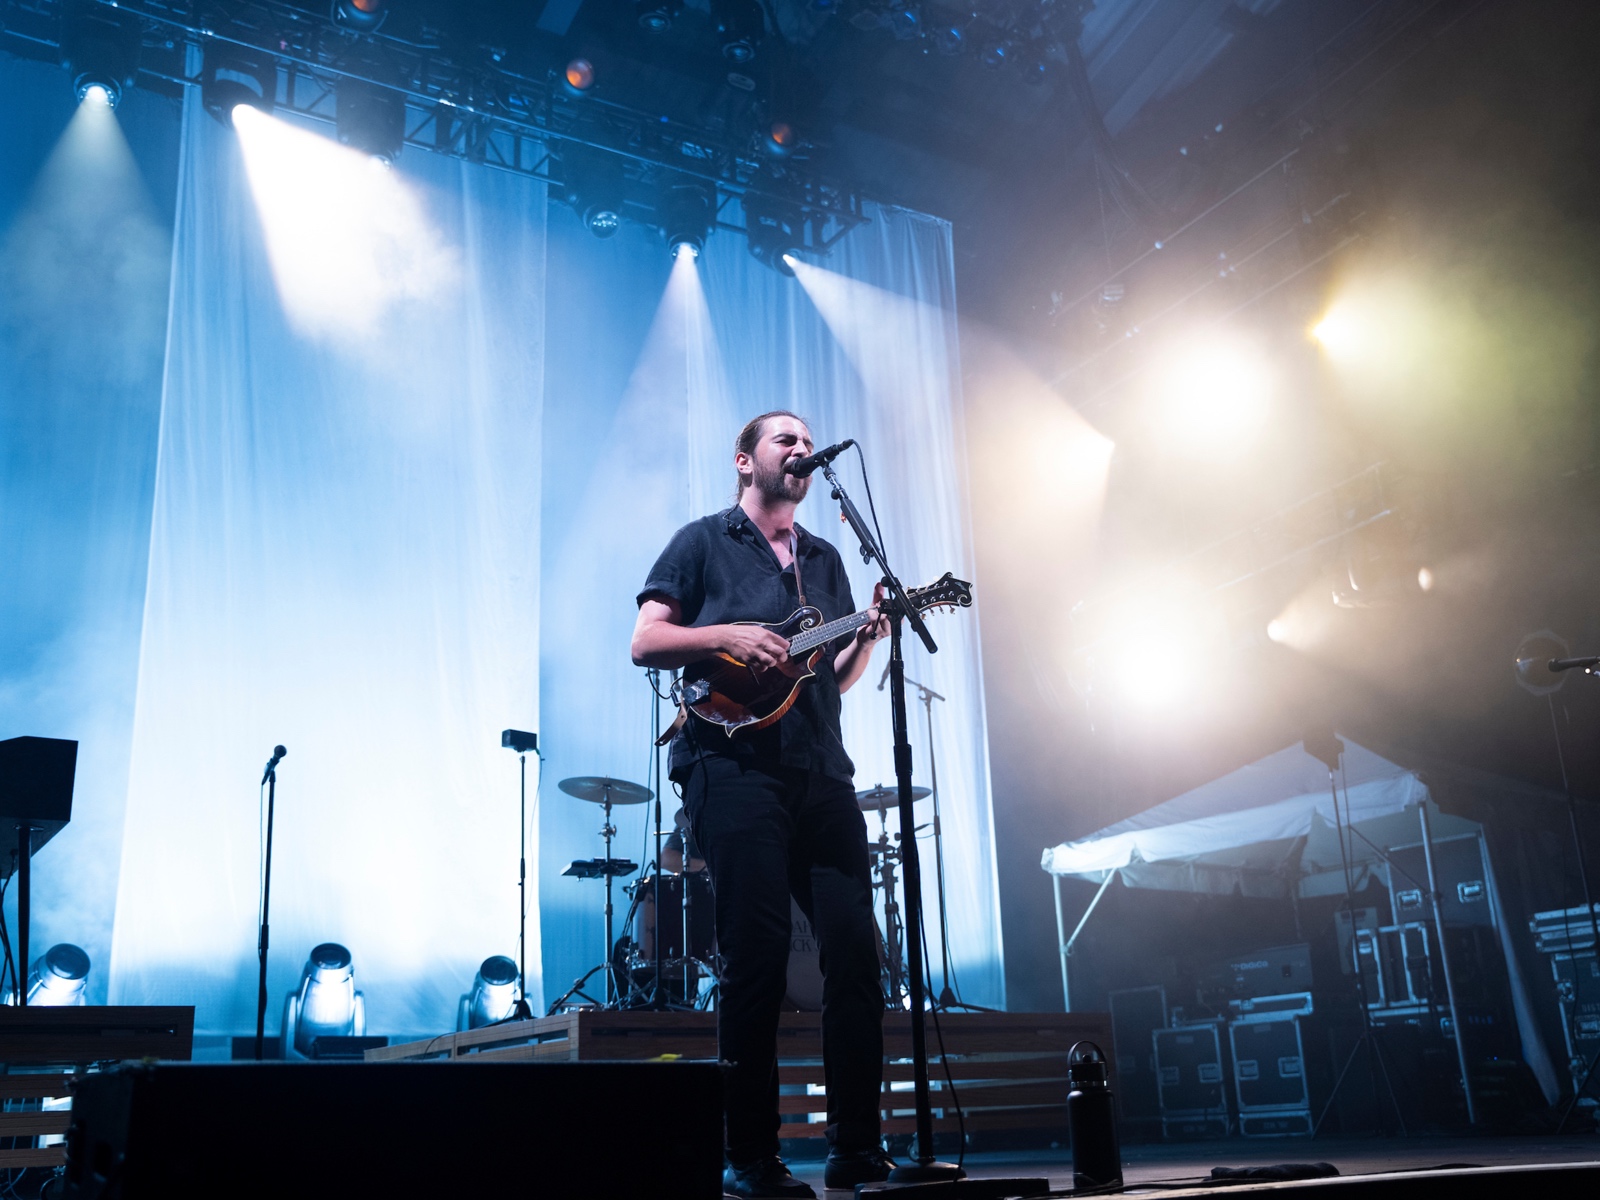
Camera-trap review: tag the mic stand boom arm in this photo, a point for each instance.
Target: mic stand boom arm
(925, 1169)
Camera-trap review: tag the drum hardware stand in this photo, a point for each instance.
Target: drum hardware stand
(887, 854)
(1329, 749)
(926, 1169)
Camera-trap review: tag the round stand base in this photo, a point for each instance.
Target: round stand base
(928, 1172)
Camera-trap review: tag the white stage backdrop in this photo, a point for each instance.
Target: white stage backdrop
(344, 559)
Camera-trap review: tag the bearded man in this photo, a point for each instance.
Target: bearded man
(774, 810)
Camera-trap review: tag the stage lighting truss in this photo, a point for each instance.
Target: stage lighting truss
(275, 55)
(101, 47)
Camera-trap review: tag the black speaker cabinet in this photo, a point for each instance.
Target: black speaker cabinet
(591, 1129)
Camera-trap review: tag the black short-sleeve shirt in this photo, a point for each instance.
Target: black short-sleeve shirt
(720, 569)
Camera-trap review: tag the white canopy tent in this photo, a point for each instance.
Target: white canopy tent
(1269, 830)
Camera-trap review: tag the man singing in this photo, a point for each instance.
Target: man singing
(774, 811)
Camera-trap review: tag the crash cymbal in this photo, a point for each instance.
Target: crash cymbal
(597, 789)
(887, 797)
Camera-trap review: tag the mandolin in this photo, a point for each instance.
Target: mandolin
(735, 695)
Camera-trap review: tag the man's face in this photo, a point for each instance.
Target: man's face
(783, 440)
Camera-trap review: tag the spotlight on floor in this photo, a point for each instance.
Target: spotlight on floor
(59, 978)
(326, 1004)
(657, 16)
(365, 15)
(493, 995)
(740, 28)
(593, 185)
(687, 213)
(231, 77)
(101, 49)
(579, 76)
(776, 231)
(371, 119)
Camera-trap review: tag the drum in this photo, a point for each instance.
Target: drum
(702, 917)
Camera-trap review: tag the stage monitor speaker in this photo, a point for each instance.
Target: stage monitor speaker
(337, 1130)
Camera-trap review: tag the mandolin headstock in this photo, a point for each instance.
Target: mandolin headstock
(945, 592)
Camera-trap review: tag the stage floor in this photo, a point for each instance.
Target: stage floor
(1192, 1161)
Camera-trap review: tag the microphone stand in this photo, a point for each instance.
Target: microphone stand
(266, 899)
(925, 1169)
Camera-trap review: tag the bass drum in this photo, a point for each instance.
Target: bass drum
(805, 963)
(804, 993)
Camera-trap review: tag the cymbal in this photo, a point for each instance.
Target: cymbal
(597, 789)
(887, 797)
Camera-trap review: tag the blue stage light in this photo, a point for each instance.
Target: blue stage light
(493, 994)
(326, 1004)
(59, 978)
(101, 48)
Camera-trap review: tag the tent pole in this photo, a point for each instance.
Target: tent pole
(1444, 962)
(1066, 946)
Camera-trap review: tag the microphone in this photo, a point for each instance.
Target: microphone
(277, 757)
(1574, 664)
(801, 467)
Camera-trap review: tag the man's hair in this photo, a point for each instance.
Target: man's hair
(745, 443)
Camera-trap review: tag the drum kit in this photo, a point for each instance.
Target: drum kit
(666, 956)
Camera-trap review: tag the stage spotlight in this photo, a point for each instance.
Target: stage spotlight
(1425, 579)
(101, 49)
(687, 213)
(905, 23)
(59, 978)
(951, 39)
(781, 139)
(579, 75)
(365, 15)
(1212, 395)
(232, 77)
(493, 995)
(371, 119)
(1277, 631)
(593, 185)
(998, 53)
(740, 26)
(657, 16)
(326, 1004)
(775, 230)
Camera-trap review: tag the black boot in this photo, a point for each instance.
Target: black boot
(847, 1168)
(765, 1178)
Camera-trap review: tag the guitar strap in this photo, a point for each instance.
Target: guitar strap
(678, 722)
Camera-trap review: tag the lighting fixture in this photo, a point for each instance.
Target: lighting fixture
(326, 1002)
(687, 208)
(594, 186)
(740, 26)
(579, 75)
(781, 139)
(232, 76)
(493, 995)
(365, 15)
(775, 230)
(101, 49)
(59, 978)
(371, 119)
(657, 16)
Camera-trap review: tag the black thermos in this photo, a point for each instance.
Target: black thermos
(1092, 1119)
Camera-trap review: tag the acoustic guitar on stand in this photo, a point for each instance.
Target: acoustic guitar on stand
(735, 695)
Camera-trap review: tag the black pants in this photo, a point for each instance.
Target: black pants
(768, 833)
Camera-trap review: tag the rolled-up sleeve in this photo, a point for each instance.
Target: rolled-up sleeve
(680, 573)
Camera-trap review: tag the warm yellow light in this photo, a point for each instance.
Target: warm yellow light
(1212, 395)
(1425, 579)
